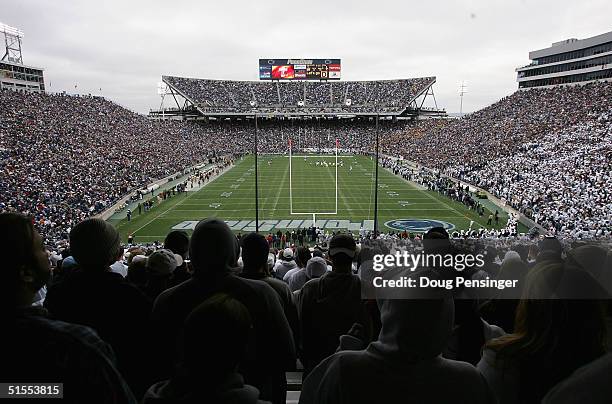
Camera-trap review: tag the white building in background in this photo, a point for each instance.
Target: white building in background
(570, 61)
(14, 74)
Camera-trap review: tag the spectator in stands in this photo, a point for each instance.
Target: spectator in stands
(284, 264)
(214, 253)
(316, 267)
(551, 339)
(137, 272)
(215, 340)
(39, 132)
(301, 258)
(255, 255)
(118, 266)
(35, 348)
(328, 306)
(177, 241)
(589, 384)
(161, 265)
(94, 296)
(501, 310)
(470, 333)
(403, 365)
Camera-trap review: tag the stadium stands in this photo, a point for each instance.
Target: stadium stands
(547, 152)
(226, 96)
(417, 354)
(65, 158)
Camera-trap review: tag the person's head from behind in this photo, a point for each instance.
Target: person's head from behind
(316, 267)
(436, 241)
(550, 249)
(95, 244)
(342, 251)
(213, 249)
(286, 254)
(25, 268)
(302, 256)
(216, 336)
(177, 241)
(255, 253)
(522, 250)
(137, 273)
(162, 263)
(318, 253)
(417, 329)
(550, 331)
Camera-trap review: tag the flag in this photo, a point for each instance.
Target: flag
(337, 144)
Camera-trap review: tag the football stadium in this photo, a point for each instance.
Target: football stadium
(326, 232)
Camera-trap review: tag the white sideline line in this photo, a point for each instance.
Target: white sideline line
(439, 201)
(181, 202)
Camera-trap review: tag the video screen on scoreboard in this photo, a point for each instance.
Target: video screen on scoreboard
(299, 69)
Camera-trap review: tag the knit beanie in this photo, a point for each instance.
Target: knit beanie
(213, 248)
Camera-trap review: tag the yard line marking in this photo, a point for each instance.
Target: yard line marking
(441, 201)
(181, 202)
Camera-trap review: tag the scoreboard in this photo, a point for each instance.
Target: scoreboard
(299, 69)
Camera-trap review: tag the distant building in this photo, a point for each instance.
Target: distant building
(17, 76)
(570, 61)
(14, 74)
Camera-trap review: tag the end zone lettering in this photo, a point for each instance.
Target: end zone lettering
(284, 224)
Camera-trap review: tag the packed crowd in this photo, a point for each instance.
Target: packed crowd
(546, 152)
(65, 158)
(304, 96)
(213, 318)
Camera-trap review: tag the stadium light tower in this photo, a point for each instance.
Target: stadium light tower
(12, 43)
(462, 91)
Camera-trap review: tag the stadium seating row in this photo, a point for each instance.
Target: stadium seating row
(241, 96)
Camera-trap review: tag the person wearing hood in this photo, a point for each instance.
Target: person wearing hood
(328, 306)
(214, 253)
(285, 264)
(502, 308)
(94, 296)
(177, 241)
(316, 267)
(208, 370)
(255, 256)
(403, 365)
(549, 249)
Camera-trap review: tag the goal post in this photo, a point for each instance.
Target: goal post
(313, 213)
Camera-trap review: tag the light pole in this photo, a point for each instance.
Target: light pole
(376, 180)
(256, 179)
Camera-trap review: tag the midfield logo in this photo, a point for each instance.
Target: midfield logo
(417, 225)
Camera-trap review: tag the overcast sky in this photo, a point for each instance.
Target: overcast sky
(124, 47)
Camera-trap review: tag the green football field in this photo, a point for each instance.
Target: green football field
(291, 196)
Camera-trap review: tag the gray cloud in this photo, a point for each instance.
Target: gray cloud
(124, 47)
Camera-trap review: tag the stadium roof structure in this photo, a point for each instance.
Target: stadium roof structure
(233, 98)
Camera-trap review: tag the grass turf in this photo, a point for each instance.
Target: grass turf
(231, 197)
